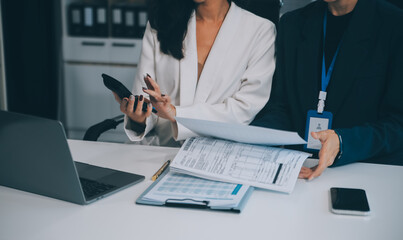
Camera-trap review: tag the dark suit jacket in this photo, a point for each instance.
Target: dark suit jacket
(365, 93)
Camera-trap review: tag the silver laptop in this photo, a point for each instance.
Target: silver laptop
(35, 157)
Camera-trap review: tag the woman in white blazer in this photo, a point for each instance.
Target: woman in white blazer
(202, 59)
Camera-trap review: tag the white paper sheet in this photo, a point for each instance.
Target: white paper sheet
(241, 133)
(259, 166)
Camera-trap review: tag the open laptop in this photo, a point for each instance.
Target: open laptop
(35, 157)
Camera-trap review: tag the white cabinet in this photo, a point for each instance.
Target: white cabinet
(101, 50)
(86, 100)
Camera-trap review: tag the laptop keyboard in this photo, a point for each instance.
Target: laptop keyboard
(92, 188)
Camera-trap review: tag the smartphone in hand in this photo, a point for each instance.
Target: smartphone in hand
(118, 88)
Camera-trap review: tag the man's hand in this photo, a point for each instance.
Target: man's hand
(327, 154)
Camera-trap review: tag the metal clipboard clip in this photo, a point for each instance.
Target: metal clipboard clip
(187, 202)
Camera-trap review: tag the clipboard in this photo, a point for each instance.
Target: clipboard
(189, 202)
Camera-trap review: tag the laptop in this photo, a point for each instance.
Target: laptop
(35, 157)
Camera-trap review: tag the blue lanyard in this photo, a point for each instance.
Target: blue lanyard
(326, 76)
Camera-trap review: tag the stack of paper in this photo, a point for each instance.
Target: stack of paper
(240, 158)
(221, 160)
(209, 172)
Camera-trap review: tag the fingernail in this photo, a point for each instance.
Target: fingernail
(141, 97)
(148, 75)
(131, 97)
(144, 88)
(162, 95)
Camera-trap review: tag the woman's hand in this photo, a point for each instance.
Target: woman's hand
(327, 154)
(161, 102)
(136, 115)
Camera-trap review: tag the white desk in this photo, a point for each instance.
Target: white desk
(304, 214)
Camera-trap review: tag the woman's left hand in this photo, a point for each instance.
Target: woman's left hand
(160, 102)
(327, 154)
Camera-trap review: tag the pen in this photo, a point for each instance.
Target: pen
(161, 170)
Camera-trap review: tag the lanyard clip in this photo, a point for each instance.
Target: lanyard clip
(321, 103)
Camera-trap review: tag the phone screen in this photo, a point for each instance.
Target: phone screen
(349, 201)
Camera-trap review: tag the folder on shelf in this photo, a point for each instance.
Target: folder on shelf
(142, 18)
(89, 19)
(101, 20)
(117, 24)
(95, 22)
(75, 19)
(96, 19)
(180, 190)
(128, 20)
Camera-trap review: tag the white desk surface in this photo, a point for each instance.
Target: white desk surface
(304, 214)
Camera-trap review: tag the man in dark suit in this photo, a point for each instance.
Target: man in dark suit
(365, 90)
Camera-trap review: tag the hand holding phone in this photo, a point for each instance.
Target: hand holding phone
(118, 88)
(349, 201)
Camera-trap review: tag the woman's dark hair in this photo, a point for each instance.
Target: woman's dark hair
(170, 19)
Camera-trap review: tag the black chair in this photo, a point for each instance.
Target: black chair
(93, 132)
(269, 9)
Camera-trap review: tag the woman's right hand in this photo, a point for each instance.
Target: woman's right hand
(136, 115)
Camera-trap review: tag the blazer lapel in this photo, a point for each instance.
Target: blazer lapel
(188, 65)
(353, 51)
(217, 54)
(308, 51)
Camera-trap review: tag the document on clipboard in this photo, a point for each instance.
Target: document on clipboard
(180, 190)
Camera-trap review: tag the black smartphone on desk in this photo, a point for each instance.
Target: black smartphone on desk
(349, 201)
(120, 89)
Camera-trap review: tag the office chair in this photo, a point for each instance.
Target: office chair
(93, 132)
(269, 9)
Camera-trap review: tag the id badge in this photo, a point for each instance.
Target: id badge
(316, 122)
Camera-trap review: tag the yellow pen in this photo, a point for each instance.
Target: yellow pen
(161, 170)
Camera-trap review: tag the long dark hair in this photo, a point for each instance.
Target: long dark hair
(170, 19)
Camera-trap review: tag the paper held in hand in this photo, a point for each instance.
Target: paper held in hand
(241, 133)
(259, 166)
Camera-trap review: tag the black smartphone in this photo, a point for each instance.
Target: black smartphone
(349, 201)
(120, 89)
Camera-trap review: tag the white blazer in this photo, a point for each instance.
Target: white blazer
(234, 85)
